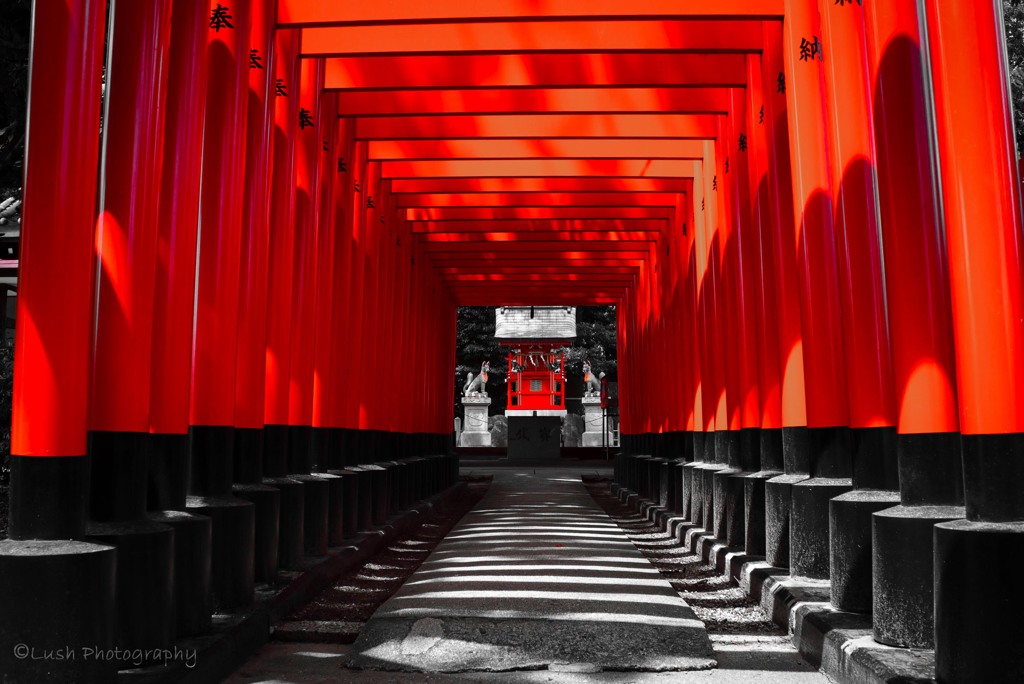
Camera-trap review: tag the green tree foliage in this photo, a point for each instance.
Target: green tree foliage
(15, 20)
(1013, 12)
(475, 343)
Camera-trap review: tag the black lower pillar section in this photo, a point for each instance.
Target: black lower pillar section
(978, 628)
(754, 496)
(234, 520)
(850, 541)
(192, 539)
(903, 591)
(335, 508)
(778, 495)
(809, 525)
(145, 549)
(316, 493)
(232, 578)
(291, 521)
(145, 581)
(931, 492)
(266, 503)
(57, 601)
(168, 472)
(831, 467)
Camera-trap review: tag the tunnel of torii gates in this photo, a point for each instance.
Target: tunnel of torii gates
(236, 316)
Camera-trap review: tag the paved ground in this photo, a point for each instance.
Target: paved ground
(538, 556)
(535, 574)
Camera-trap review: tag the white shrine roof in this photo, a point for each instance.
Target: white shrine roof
(535, 323)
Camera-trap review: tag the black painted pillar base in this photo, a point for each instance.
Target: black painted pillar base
(168, 472)
(349, 503)
(145, 549)
(232, 579)
(266, 503)
(730, 516)
(931, 491)
(234, 520)
(754, 509)
(707, 476)
(850, 541)
(56, 597)
(316, 498)
(363, 502)
(291, 521)
(978, 606)
(680, 497)
(692, 478)
(778, 495)
(903, 580)
(809, 545)
(335, 508)
(192, 538)
(145, 581)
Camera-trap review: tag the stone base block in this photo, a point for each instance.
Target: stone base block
(809, 526)
(232, 549)
(145, 581)
(903, 573)
(71, 609)
(850, 540)
(192, 539)
(978, 628)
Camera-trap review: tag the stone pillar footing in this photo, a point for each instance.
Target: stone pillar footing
(809, 526)
(232, 549)
(192, 539)
(778, 494)
(72, 609)
(145, 581)
(316, 496)
(267, 515)
(291, 521)
(978, 626)
(903, 573)
(850, 541)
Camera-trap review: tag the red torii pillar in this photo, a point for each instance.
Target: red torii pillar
(717, 230)
(740, 272)
(173, 307)
(778, 490)
(923, 357)
(982, 202)
(279, 301)
(250, 374)
(861, 291)
(825, 383)
(49, 469)
(327, 257)
(126, 244)
(316, 490)
(215, 337)
(763, 274)
(340, 335)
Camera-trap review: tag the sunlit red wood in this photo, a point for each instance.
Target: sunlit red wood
(522, 71)
(538, 126)
(535, 100)
(524, 37)
(539, 168)
(314, 12)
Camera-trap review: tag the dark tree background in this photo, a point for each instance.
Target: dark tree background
(475, 343)
(15, 19)
(1014, 13)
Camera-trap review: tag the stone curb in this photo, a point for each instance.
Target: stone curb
(237, 637)
(838, 643)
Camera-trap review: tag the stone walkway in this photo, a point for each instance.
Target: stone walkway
(497, 549)
(535, 576)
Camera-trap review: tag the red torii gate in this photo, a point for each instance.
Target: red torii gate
(295, 196)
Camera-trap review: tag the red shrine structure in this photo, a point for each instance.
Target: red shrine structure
(536, 337)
